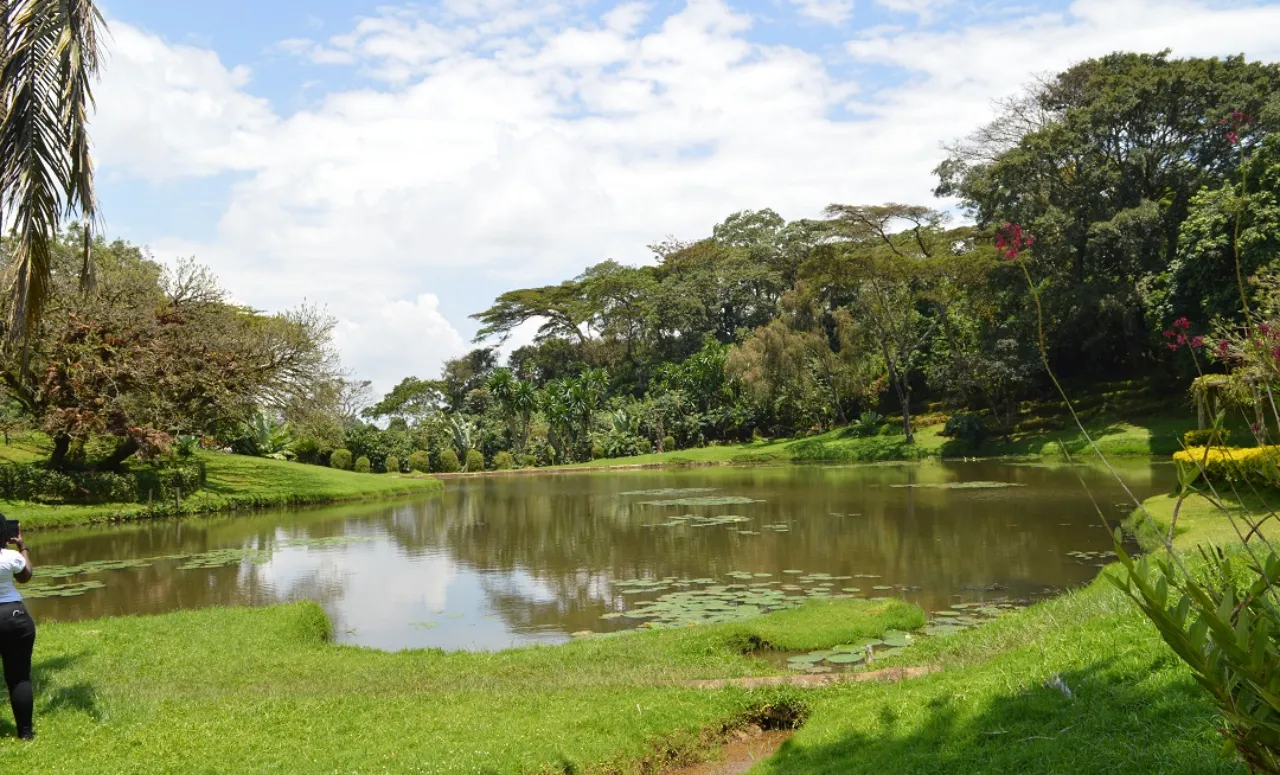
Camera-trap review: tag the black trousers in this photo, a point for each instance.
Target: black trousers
(17, 641)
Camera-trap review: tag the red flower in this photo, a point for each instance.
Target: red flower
(1197, 342)
(1169, 334)
(1182, 323)
(1275, 353)
(1011, 240)
(1223, 348)
(1173, 348)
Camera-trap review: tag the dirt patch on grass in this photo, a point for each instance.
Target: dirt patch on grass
(888, 675)
(746, 748)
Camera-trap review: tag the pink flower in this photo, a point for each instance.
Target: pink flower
(1011, 240)
(1223, 348)
(1197, 342)
(1173, 348)
(1169, 334)
(1233, 138)
(1182, 323)
(1275, 353)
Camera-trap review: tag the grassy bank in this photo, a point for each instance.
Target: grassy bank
(258, 690)
(1153, 435)
(242, 690)
(999, 706)
(234, 482)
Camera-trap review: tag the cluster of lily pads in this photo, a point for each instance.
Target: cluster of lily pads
(706, 601)
(694, 520)
(1098, 558)
(959, 485)
(958, 618)
(852, 654)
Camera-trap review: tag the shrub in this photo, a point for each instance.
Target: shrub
(393, 464)
(1259, 465)
(1207, 437)
(668, 443)
(308, 451)
(420, 461)
(868, 424)
(475, 460)
(967, 428)
(503, 461)
(34, 482)
(597, 452)
(340, 459)
(362, 465)
(528, 461)
(448, 463)
(644, 446)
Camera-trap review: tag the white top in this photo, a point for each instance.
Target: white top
(11, 564)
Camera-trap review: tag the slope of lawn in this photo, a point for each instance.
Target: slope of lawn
(1154, 435)
(234, 482)
(259, 690)
(1000, 705)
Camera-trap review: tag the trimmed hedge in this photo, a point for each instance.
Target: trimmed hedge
(393, 464)
(449, 462)
(503, 461)
(475, 460)
(1259, 465)
(420, 461)
(340, 459)
(362, 465)
(1206, 437)
(33, 482)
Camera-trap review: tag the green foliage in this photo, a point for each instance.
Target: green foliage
(340, 459)
(39, 484)
(867, 424)
(1226, 627)
(528, 461)
(967, 428)
(362, 465)
(475, 461)
(669, 444)
(503, 461)
(448, 463)
(1204, 437)
(420, 462)
(265, 436)
(393, 464)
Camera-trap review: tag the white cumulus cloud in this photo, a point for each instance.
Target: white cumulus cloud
(507, 142)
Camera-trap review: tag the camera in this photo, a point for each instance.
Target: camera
(8, 530)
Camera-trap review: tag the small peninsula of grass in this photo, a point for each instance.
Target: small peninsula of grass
(1080, 683)
(234, 482)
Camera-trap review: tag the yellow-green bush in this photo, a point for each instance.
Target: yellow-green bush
(1259, 465)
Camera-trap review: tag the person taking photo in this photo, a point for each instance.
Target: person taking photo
(17, 630)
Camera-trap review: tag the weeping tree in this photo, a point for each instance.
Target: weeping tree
(48, 62)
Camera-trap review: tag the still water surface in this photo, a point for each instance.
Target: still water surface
(506, 561)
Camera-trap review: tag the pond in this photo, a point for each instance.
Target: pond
(505, 561)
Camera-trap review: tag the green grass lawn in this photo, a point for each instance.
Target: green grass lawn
(1156, 434)
(234, 482)
(259, 690)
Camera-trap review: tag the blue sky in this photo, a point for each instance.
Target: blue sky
(404, 163)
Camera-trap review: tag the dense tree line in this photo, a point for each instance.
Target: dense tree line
(1138, 175)
(1149, 185)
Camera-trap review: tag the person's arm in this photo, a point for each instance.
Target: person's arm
(24, 575)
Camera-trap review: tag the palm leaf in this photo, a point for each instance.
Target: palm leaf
(48, 60)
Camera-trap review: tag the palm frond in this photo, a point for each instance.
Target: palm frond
(48, 60)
